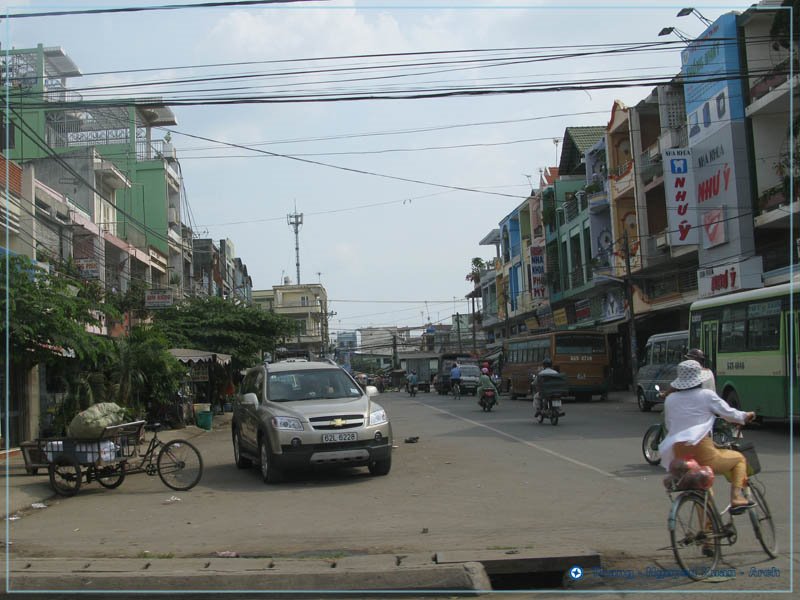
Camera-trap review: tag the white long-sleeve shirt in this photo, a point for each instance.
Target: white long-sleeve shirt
(689, 417)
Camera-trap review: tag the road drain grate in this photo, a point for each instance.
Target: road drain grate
(540, 580)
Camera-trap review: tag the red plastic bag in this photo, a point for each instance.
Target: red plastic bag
(681, 466)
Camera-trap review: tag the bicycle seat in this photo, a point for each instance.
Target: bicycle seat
(152, 427)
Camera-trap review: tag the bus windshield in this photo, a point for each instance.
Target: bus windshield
(578, 343)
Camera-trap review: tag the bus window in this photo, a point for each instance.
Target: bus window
(580, 344)
(676, 349)
(732, 338)
(764, 333)
(659, 353)
(648, 349)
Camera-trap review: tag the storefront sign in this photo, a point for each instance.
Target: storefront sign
(199, 372)
(731, 277)
(158, 298)
(560, 317)
(583, 310)
(538, 279)
(89, 268)
(681, 196)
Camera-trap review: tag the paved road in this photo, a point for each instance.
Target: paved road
(473, 481)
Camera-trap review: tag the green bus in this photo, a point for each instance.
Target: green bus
(750, 340)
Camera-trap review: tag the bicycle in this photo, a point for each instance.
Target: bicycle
(178, 463)
(696, 528)
(456, 390)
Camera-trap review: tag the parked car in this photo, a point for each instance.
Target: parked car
(662, 353)
(294, 415)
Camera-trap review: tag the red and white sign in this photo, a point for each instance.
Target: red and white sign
(730, 277)
(681, 196)
(714, 227)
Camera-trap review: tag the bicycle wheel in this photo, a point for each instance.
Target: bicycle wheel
(695, 535)
(111, 476)
(65, 475)
(180, 465)
(764, 527)
(652, 438)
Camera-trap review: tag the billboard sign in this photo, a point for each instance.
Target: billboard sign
(681, 196)
(712, 90)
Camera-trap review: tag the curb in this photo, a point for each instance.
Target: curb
(293, 576)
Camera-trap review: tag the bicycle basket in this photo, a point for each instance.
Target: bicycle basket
(749, 451)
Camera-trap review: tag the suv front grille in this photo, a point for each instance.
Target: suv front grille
(336, 422)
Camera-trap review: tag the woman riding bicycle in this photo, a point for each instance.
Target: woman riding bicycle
(689, 413)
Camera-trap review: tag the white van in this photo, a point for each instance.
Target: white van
(662, 353)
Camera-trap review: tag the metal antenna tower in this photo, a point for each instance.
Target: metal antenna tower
(296, 221)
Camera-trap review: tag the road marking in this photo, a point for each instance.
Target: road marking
(529, 443)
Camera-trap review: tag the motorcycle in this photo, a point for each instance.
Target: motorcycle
(487, 400)
(412, 389)
(723, 434)
(553, 390)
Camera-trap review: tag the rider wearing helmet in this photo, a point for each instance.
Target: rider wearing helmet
(485, 383)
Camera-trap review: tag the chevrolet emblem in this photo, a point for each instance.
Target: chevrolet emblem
(338, 422)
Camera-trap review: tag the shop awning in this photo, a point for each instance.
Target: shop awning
(193, 357)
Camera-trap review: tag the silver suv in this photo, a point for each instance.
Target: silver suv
(297, 414)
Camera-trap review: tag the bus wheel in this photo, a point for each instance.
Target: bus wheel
(732, 398)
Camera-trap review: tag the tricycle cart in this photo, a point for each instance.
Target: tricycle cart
(71, 461)
(112, 456)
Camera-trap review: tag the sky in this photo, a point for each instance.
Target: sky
(395, 193)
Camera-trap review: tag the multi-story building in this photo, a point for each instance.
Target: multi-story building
(129, 184)
(307, 305)
(772, 111)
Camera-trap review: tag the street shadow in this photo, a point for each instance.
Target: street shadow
(639, 470)
(226, 477)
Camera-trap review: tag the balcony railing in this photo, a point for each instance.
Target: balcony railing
(770, 81)
(649, 168)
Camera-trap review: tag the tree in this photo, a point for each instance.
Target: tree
(48, 313)
(478, 265)
(222, 326)
(143, 370)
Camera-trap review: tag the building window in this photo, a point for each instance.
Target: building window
(303, 300)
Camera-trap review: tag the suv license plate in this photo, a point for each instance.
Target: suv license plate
(556, 402)
(339, 437)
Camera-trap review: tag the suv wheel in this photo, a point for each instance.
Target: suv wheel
(240, 461)
(381, 467)
(269, 472)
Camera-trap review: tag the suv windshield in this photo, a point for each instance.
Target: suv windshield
(292, 386)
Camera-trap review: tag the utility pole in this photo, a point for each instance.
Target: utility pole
(395, 358)
(458, 330)
(296, 221)
(631, 315)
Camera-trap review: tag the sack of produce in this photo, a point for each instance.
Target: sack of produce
(90, 423)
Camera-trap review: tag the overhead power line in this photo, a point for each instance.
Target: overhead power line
(131, 9)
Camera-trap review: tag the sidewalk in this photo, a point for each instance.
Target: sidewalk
(22, 490)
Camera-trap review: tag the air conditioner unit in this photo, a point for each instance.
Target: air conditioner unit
(662, 241)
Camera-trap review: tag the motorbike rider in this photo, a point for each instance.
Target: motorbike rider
(412, 382)
(547, 369)
(709, 383)
(485, 383)
(455, 376)
(689, 413)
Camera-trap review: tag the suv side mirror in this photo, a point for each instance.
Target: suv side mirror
(371, 390)
(249, 399)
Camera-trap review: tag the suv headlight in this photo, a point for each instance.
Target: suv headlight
(287, 423)
(378, 417)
